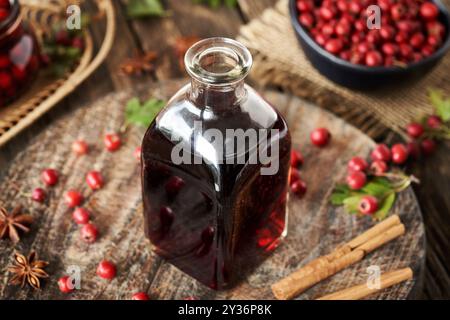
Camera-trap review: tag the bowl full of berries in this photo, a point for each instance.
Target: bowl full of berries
(335, 35)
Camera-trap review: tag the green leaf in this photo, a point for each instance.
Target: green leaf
(340, 193)
(351, 203)
(216, 3)
(441, 104)
(145, 8)
(142, 115)
(378, 187)
(385, 207)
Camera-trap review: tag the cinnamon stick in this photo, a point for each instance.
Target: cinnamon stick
(387, 280)
(342, 257)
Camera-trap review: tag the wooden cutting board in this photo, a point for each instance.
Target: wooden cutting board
(315, 227)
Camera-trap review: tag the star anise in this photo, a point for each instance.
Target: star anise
(27, 269)
(10, 223)
(140, 64)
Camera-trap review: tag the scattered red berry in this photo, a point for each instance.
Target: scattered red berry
(65, 284)
(381, 152)
(112, 142)
(378, 167)
(137, 154)
(73, 198)
(415, 130)
(106, 270)
(89, 233)
(94, 180)
(38, 195)
(294, 176)
(428, 146)
(399, 153)
(296, 159)
(434, 121)
(356, 180)
(357, 164)
(140, 296)
(368, 205)
(80, 147)
(299, 188)
(80, 216)
(320, 137)
(49, 177)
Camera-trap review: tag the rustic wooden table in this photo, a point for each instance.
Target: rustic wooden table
(186, 20)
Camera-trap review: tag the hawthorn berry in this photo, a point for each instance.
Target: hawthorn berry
(112, 142)
(414, 130)
(428, 146)
(94, 180)
(49, 177)
(106, 270)
(38, 195)
(89, 233)
(399, 153)
(299, 188)
(434, 121)
(357, 164)
(65, 284)
(81, 216)
(320, 137)
(296, 159)
(356, 180)
(73, 198)
(381, 152)
(80, 147)
(140, 296)
(294, 176)
(368, 205)
(378, 167)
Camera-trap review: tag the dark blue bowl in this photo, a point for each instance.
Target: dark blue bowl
(362, 77)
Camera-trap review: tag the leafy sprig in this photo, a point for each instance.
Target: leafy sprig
(145, 8)
(384, 188)
(440, 103)
(217, 3)
(142, 114)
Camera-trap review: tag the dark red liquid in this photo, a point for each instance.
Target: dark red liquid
(213, 221)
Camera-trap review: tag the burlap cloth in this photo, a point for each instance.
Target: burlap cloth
(279, 61)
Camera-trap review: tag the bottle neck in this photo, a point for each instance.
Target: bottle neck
(205, 95)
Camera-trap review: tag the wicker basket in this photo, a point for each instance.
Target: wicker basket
(46, 92)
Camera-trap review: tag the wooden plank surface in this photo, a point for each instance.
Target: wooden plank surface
(315, 227)
(432, 192)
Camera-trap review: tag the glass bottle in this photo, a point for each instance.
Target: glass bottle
(214, 195)
(19, 54)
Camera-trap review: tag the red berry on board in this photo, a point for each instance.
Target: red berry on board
(81, 216)
(357, 164)
(299, 188)
(106, 270)
(94, 180)
(428, 146)
(434, 121)
(73, 198)
(415, 130)
(356, 180)
(399, 153)
(112, 142)
(140, 296)
(89, 233)
(320, 137)
(137, 154)
(38, 195)
(413, 149)
(381, 152)
(429, 11)
(65, 284)
(294, 176)
(368, 205)
(80, 147)
(378, 167)
(296, 159)
(49, 177)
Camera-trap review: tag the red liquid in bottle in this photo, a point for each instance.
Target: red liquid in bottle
(217, 218)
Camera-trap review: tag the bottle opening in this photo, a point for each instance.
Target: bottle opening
(218, 61)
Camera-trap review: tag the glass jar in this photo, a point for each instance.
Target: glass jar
(19, 53)
(215, 165)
